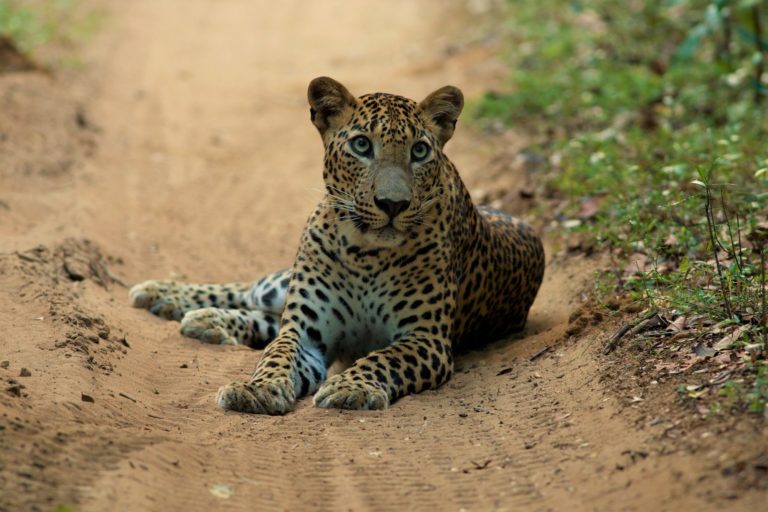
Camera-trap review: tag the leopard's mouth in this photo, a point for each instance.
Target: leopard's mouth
(385, 236)
(381, 232)
(389, 231)
(389, 227)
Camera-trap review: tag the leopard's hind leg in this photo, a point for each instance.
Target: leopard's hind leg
(234, 313)
(268, 293)
(172, 300)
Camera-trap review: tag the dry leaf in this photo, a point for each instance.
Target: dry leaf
(730, 339)
(670, 241)
(720, 377)
(668, 367)
(677, 325)
(223, 491)
(589, 208)
(723, 358)
(637, 263)
(701, 349)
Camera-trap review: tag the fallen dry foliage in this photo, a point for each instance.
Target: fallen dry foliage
(711, 355)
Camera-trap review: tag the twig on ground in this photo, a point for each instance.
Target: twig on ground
(735, 250)
(648, 320)
(539, 353)
(711, 223)
(126, 396)
(762, 296)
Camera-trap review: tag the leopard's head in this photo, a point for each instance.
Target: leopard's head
(383, 156)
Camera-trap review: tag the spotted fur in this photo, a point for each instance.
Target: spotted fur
(395, 270)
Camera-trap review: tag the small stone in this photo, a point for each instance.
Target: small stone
(5, 364)
(184, 365)
(86, 398)
(25, 373)
(15, 388)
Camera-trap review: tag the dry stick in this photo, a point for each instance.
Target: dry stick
(740, 247)
(634, 327)
(734, 248)
(714, 242)
(725, 48)
(539, 354)
(738, 234)
(761, 50)
(762, 286)
(613, 341)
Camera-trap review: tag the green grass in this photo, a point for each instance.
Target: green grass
(652, 111)
(752, 398)
(33, 24)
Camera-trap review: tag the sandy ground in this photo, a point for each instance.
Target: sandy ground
(186, 152)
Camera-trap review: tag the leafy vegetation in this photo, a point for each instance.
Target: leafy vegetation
(653, 119)
(32, 24)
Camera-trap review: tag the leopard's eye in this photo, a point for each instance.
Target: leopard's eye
(361, 145)
(419, 151)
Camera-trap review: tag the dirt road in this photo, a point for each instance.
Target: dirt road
(200, 163)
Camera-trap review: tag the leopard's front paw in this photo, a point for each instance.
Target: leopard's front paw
(265, 397)
(208, 326)
(342, 393)
(161, 298)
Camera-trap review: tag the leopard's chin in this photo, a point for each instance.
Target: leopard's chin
(386, 237)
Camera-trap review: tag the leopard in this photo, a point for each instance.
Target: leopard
(397, 268)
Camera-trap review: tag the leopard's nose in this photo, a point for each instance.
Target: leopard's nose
(390, 207)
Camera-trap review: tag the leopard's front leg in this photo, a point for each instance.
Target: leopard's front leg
(286, 371)
(415, 363)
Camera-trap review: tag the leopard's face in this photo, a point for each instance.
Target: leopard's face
(384, 169)
(383, 160)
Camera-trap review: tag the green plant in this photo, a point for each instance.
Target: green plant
(753, 399)
(644, 121)
(35, 23)
(757, 397)
(731, 394)
(651, 119)
(705, 180)
(721, 20)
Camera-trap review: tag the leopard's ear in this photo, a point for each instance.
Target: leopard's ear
(330, 103)
(441, 109)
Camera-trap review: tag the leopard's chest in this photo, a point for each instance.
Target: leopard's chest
(376, 294)
(359, 318)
